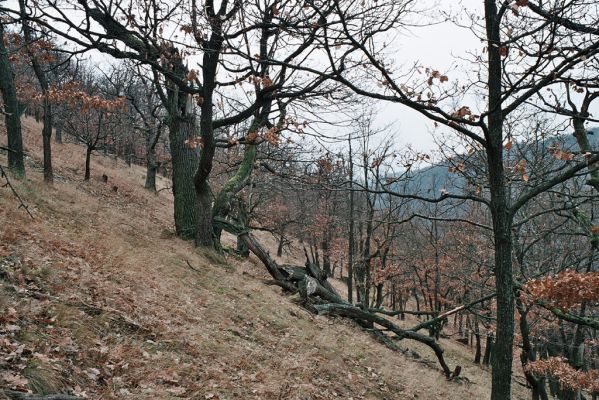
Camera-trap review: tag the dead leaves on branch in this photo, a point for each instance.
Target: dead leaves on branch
(465, 113)
(80, 100)
(560, 154)
(437, 75)
(566, 374)
(566, 290)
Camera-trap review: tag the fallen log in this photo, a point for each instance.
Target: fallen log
(347, 310)
(314, 284)
(16, 395)
(398, 312)
(441, 317)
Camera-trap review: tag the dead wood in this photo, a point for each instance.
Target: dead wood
(16, 395)
(312, 285)
(350, 311)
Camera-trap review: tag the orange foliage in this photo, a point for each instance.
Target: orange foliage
(565, 374)
(82, 100)
(567, 289)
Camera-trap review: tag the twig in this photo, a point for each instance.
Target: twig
(192, 267)
(9, 185)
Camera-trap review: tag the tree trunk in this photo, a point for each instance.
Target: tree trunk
(477, 338)
(12, 116)
(489, 351)
(580, 134)
(223, 203)
(281, 243)
(88, 156)
(47, 107)
(184, 160)
(47, 139)
(58, 132)
(369, 230)
(379, 295)
(212, 49)
(151, 165)
(501, 383)
(151, 169)
(326, 259)
(350, 262)
(539, 392)
(244, 218)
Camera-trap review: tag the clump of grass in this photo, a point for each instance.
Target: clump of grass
(37, 273)
(211, 255)
(43, 379)
(31, 335)
(221, 290)
(82, 327)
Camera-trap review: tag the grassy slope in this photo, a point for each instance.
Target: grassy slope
(96, 296)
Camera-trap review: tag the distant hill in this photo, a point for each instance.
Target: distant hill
(429, 181)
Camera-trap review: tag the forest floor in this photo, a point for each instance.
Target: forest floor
(100, 299)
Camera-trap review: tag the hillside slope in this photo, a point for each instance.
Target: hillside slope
(99, 298)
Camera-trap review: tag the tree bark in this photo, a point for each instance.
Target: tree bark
(281, 243)
(12, 115)
(223, 203)
(213, 48)
(47, 107)
(88, 156)
(580, 133)
(151, 164)
(350, 262)
(477, 338)
(182, 127)
(58, 131)
(488, 350)
(501, 382)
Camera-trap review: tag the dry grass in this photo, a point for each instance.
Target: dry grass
(97, 292)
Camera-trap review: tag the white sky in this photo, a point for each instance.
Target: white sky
(437, 46)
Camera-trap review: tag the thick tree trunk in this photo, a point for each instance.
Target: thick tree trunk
(204, 229)
(502, 361)
(184, 159)
(88, 156)
(12, 115)
(213, 47)
(151, 169)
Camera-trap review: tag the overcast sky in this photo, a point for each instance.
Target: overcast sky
(438, 46)
(434, 46)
